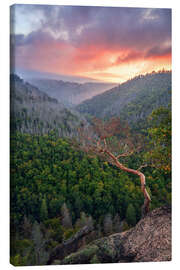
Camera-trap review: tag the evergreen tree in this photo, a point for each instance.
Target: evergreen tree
(26, 227)
(108, 225)
(131, 215)
(117, 224)
(43, 210)
(66, 217)
(84, 220)
(39, 256)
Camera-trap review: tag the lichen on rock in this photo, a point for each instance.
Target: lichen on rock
(148, 241)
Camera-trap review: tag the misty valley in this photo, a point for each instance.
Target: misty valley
(79, 152)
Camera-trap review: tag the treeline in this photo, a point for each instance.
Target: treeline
(133, 100)
(34, 112)
(57, 189)
(70, 93)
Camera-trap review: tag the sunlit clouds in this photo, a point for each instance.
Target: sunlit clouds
(107, 44)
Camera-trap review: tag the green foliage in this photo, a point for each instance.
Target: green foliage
(55, 229)
(160, 139)
(68, 233)
(131, 215)
(22, 250)
(47, 180)
(64, 189)
(43, 210)
(125, 226)
(116, 224)
(56, 189)
(57, 174)
(16, 260)
(39, 245)
(133, 100)
(108, 225)
(84, 220)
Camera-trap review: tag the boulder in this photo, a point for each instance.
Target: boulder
(148, 241)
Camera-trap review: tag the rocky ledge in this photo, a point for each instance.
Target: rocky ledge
(148, 241)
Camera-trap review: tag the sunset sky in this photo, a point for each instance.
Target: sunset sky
(103, 43)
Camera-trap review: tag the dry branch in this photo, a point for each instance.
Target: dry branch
(113, 140)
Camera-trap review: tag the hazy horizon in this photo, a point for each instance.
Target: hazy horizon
(32, 74)
(103, 44)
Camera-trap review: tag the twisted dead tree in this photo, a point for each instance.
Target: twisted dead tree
(112, 141)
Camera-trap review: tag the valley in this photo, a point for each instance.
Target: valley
(58, 190)
(70, 93)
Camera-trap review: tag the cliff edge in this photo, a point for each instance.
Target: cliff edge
(148, 241)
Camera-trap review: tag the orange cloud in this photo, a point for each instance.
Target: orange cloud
(99, 42)
(97, 62)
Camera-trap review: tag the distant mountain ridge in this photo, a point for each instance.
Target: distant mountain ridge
(70, 93)
(34, 112)
(29, 74)
(132, 100)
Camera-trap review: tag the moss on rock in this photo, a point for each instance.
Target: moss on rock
(84, 256)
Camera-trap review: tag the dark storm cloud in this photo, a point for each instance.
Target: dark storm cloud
(132, 28)
(158, 51)
(89, 40)
(32, 39)
(136, 28)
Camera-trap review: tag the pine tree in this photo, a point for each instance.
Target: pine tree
(26, 227)
(84, 220)
(81, 222)
(66, 217)
(108, 224)
(43, 210)
(131, 215)
(39, 254)
(117, 224)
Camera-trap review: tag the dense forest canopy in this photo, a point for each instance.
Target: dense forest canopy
(56, 188)
(133, 100)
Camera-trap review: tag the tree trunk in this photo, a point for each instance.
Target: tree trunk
(69, 246)
(147, 199)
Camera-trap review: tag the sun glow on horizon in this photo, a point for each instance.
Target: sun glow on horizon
(120, 74)
(89, 42)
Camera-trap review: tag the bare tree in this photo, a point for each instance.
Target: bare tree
(66, 217)
(113, 141)
(108, 224)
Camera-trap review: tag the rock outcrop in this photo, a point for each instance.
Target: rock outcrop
(69, 246)
(148, 241)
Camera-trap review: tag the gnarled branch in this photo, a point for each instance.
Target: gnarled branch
(114, 137)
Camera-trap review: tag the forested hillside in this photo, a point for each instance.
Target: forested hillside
(133, 100)
(70, 93)
(90, 134)
(34, 112)
(57, 188)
